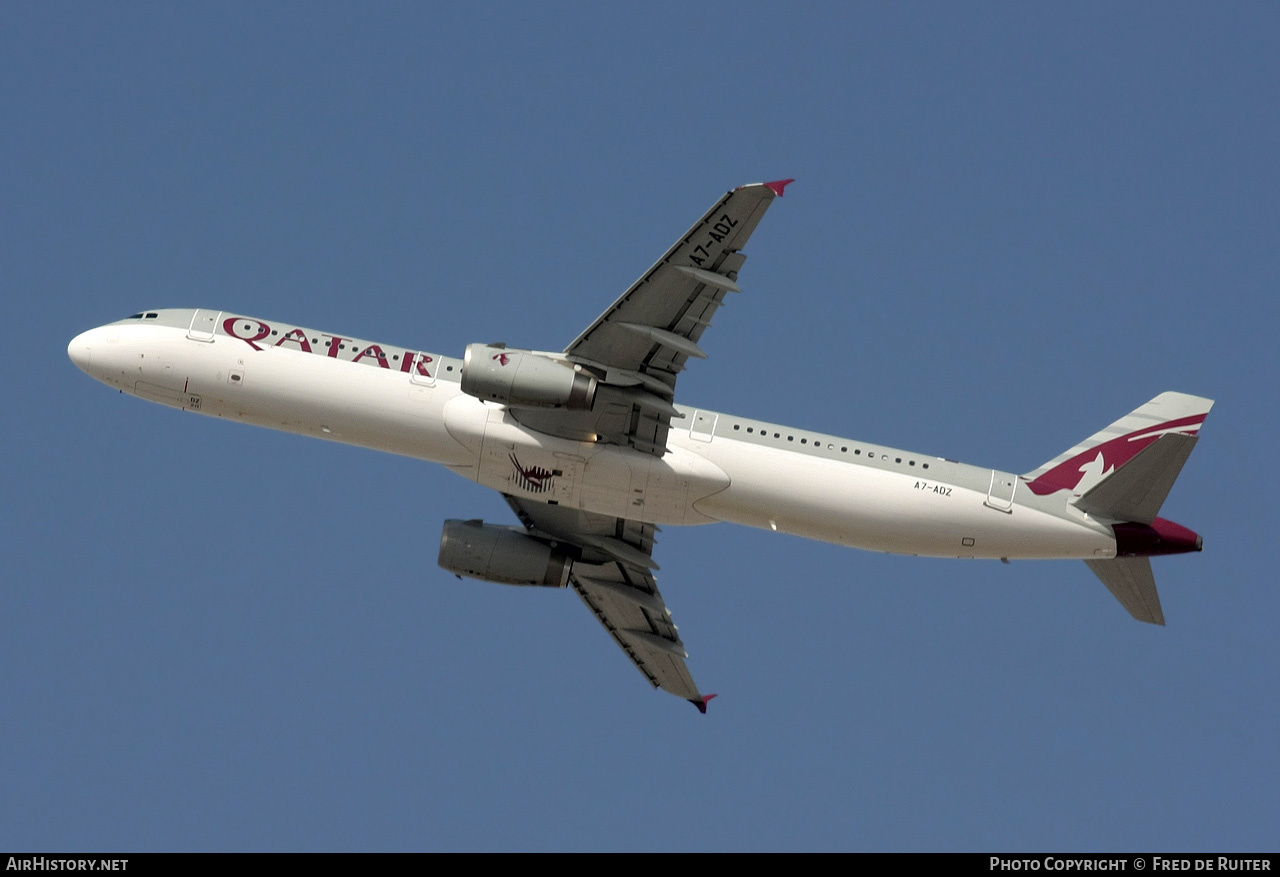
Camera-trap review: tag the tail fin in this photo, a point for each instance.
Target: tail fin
(1088, 465)
(1124, 473)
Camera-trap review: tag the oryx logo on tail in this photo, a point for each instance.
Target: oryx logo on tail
(1093, 460)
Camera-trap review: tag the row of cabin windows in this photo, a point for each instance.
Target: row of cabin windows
(844, 449)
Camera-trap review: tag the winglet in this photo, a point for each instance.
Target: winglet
(779, 185)
(706, 699)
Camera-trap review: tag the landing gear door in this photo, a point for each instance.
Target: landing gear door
(203, 324)
(527, 470)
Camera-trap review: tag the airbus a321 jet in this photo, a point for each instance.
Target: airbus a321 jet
(593, 454)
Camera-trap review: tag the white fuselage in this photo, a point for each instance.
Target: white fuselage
(718, 467)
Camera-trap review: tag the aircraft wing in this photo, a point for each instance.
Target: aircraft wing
(641, 343)
(656, 324)
(614, 577)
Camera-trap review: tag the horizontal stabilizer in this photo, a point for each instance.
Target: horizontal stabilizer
(1136, 490)
(1131, 581)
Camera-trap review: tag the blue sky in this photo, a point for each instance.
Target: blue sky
(1012, 223)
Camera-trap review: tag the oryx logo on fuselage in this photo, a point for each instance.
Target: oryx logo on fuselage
(534, 479)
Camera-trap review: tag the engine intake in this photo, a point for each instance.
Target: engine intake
(520, 377)
(501, 554)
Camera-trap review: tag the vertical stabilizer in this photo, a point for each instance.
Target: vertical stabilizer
(1095, 459)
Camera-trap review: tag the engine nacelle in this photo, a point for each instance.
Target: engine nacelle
(519, 377)
(501, 554)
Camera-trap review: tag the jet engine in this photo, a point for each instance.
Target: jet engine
(520, 377)
(505, 555)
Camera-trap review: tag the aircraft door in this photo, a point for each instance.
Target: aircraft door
(1000, 492)
(422, 370)
(703, 428)
(203, 324)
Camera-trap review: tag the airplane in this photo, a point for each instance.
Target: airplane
(593, 454)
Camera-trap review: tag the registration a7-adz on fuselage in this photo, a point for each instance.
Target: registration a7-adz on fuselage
(593, 454)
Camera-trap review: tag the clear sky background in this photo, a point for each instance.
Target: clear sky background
(1012, 224)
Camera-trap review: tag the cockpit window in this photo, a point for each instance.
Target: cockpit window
(135, 317)
(152, 316)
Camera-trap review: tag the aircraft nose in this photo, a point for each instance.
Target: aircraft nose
(80, 350)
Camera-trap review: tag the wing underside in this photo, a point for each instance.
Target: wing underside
(680, 292)
(642, 342)
(615, 579)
